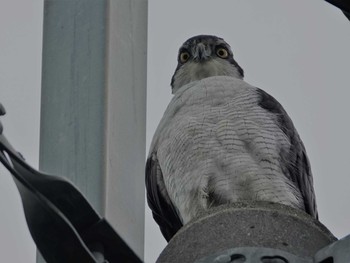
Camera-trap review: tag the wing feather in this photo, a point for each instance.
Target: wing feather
(164, 212)
(295, 161)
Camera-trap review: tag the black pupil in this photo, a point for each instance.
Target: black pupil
(184, 56)
(221, 52)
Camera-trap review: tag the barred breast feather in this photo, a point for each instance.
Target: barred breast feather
(222, 141)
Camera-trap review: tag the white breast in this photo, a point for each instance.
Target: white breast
(217, 145)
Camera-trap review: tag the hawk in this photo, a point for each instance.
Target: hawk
(222, 141)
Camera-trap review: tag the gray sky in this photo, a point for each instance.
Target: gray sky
(295, 50)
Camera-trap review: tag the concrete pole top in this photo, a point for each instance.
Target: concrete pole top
(258, 224)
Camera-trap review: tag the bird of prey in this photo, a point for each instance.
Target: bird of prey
(222, 141)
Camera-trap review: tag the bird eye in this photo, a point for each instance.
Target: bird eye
(222, 53)
(184, 56)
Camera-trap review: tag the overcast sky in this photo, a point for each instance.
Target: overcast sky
(295, 50)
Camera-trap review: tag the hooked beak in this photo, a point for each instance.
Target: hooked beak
(201, 53)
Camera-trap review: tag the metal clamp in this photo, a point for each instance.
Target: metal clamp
(63, 224)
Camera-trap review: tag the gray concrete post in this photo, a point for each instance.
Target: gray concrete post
(239, 225)
(93, 105)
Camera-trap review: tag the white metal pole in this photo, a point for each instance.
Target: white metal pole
(93, 107)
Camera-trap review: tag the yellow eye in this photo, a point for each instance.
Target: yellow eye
(222, 53)
(184, 56)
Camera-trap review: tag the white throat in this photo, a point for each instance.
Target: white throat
(193, 71)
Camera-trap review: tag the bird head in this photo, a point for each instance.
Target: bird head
(204, 56)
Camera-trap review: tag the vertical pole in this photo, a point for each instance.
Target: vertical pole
(93, 105)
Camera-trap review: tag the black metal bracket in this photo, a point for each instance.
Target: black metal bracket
(63, 224)
(343, 5)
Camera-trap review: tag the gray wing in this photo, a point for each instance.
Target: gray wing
(295, 163)
(164, 212)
